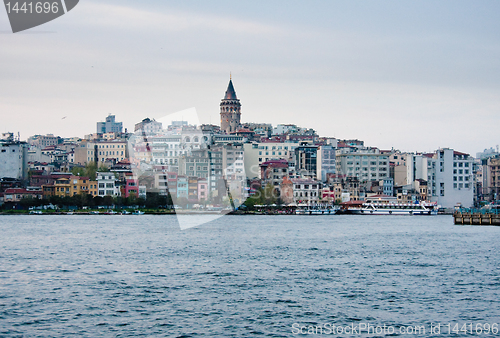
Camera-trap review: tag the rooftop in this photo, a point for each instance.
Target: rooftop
(230, 93)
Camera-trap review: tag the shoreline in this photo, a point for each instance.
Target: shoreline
(238, 213)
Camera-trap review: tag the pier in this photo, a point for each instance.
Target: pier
(477, 217)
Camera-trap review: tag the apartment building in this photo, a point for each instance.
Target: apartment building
(107, 184)
(257, 153)
(306, 191)
(366, 164)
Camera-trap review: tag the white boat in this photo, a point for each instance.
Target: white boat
(316, 209)
(138, 212)
(125, 212)
(396, 208)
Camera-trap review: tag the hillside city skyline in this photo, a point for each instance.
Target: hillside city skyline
(239, 158)
(313, 125)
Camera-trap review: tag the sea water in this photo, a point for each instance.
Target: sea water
(241, 276)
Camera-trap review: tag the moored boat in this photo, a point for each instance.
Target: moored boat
(388, 205)
(396, 208)
(305, 209)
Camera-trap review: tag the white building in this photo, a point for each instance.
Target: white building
(448, 174)
(454, 180)
(148, 126)
(281, 129)
(13, 159)
(326, 163)
(306, 191)
(35, 155)
(106, 184)
(233, 162)
(166, 149)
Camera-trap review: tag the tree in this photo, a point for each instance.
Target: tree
(89, 171)
(270, 194)
(265, 196)
(108, 200)
(98, 200)
(27, 202)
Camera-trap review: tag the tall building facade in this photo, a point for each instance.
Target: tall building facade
(110, 126)
(448, 175)
(230, 110)
(367, 164)
(13, 159)
(306, 161)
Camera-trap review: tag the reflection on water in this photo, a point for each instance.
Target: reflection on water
(240, 275)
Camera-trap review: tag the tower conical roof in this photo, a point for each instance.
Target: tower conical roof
(230, 93)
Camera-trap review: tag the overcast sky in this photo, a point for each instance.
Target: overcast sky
(414, 76)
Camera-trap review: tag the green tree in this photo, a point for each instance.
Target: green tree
(89, 171)
(27, 202)
(270, 194)
(108, 200)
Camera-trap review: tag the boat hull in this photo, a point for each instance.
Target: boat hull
(407, 212)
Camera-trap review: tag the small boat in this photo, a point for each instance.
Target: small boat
(110, 212)
(36, 212)
(94, 212)
(125, 212)
(138, 212)
(69, 213)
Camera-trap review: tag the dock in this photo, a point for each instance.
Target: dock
(476, 217)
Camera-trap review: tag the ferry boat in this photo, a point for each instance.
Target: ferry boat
(377, 208)
(316, 209)
(389, 205)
